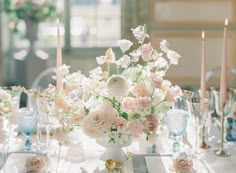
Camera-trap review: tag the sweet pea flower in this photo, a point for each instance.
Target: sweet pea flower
(63, 70)
(124, 61)
(156, 80)
(140, 89)
(140, 33)
(146, 51)
(173, 93)
(164, 46)
(124, 44)
(173, 56)
(108, 58)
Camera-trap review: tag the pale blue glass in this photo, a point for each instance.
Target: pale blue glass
(176, 121)
(28, 120)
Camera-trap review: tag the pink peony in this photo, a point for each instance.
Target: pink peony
(156, 81)
(136, 129)
(140, 89)
(146, 52)
(151, 123)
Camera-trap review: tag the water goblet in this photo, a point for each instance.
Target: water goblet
(176, 120)
(27, 124)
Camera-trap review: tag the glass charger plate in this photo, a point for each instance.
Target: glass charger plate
(16, 162)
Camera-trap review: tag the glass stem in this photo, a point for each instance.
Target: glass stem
(175, 144)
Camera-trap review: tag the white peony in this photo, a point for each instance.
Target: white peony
(124, 44)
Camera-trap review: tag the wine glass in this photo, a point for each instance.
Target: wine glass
(200, 112)
(27, 124)
(176, 120)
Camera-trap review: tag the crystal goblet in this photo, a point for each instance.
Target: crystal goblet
(27, 124)
(176, 120)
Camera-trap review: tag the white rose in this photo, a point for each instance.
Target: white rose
(99, 120)
(124, 44)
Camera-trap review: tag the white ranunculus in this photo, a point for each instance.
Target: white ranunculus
(161, 62)
(4, 95)
(140, 33)
(117, 85)
(173, 56)
(63, 70)
(124, 44)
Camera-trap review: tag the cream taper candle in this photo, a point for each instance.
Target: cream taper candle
(59, 83)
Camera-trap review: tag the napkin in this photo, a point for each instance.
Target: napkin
(146, 163)
(155, 164)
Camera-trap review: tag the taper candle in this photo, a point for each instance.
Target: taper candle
(59, 58)
(223, 82)
(203, 68)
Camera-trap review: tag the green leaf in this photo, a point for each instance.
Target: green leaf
(124, 115)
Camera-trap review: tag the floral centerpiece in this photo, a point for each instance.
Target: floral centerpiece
(30, 10)
(128, 104)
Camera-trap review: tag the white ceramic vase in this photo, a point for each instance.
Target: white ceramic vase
(113, 151)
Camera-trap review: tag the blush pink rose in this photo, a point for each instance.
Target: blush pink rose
(156, 81)
(140, 89)
(135, 129)
(129, 103)
(173, 93)
(146, 52)
(151, 123)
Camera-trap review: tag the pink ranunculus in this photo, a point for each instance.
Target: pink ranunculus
(144, 102)
(151, 123)
(120, 121)
(146, 52)
(136, 129)
(173, 93)
(140, 90)
(156, 81)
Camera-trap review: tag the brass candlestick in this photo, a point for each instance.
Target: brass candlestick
(221, 152)
(203, 143)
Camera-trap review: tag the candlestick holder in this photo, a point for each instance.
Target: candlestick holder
(203, 143)
(221, 151)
